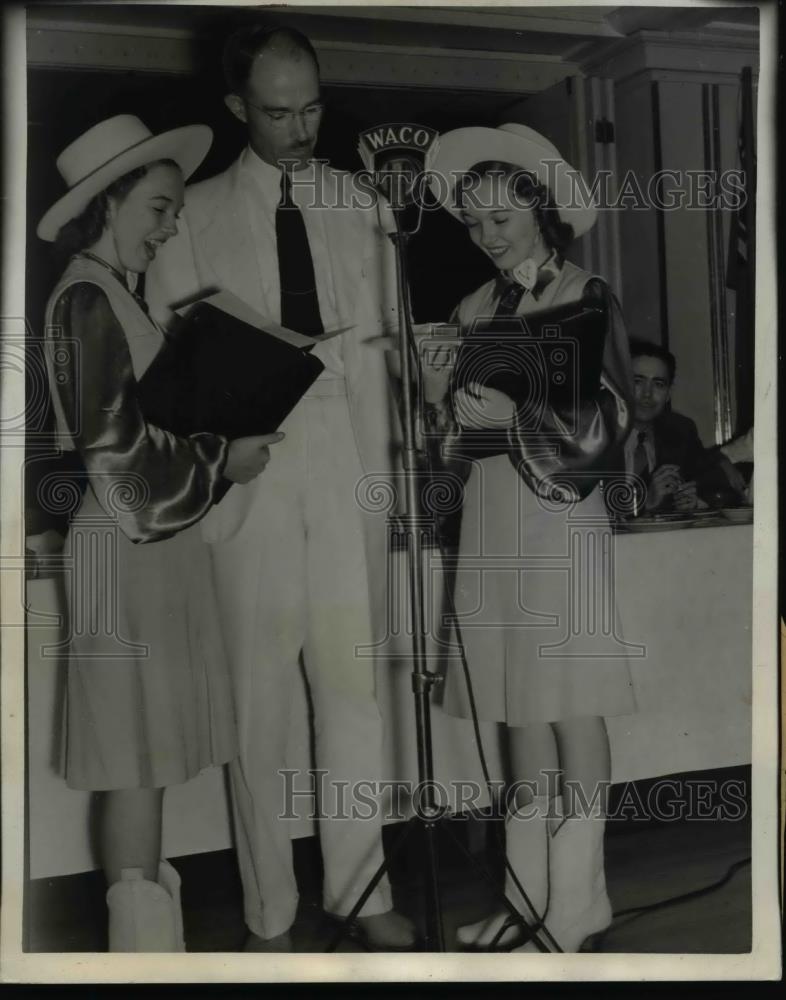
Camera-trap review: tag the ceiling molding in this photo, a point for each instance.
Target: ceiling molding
(97, 47)
(104, 47)
(633, 18)
(589, 21)
(442, 69)
(514, 28)
(690, 52)
(124, 37)
(36, 23)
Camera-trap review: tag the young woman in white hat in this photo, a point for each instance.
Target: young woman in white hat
(148, 696)
(517, 198)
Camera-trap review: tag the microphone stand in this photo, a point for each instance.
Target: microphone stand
(416, 527)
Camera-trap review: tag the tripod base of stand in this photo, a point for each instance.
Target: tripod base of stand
(433, 939)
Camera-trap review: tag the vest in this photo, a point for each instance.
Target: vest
(144, 339)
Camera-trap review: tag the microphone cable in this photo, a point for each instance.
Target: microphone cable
(540, 928)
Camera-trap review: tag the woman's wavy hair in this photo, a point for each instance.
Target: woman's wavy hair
(530, 193)
(85, 229)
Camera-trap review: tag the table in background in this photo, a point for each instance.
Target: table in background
(685, 594)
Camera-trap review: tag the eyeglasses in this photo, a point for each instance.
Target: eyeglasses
(280, 119)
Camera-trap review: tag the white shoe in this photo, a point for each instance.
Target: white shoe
(526, 833)
(389, 931)
(280, 943)
(579, 904)
(145, 916)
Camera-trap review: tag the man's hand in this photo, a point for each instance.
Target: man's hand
(685, 497)
(483, 408)
(248, 456)
(664, 481)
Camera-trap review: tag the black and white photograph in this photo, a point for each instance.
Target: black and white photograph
(389, 564)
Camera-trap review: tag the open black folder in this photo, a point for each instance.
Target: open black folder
(551, 359)
(228, 371)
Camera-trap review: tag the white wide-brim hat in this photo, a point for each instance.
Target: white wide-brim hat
(523, 147)
(111, 149)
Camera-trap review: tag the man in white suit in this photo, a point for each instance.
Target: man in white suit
(301, 568)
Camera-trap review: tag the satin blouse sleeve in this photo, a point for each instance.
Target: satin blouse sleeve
(153, 482)
(617, 374)
(572, 451)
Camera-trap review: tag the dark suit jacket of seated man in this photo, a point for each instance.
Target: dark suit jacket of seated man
(664, 449)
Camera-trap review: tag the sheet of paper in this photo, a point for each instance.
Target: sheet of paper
(231, 304)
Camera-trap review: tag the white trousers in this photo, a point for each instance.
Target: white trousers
(292, 581)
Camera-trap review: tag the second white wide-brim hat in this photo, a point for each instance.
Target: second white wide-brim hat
(111, 149)
(523, 147)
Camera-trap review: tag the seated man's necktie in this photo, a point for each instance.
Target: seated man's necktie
(641, 462)
(641, 469)
(299, 302)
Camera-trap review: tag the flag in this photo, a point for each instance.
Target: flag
(741, 264)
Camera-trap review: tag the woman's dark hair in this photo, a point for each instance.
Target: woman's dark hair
(529, 192)
(244, 45)
(83, 231)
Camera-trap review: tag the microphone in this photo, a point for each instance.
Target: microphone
(397, 156)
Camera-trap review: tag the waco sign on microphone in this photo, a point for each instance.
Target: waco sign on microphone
(398, 156)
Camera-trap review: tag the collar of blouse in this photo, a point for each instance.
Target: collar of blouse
(122, 278)
(531, 277)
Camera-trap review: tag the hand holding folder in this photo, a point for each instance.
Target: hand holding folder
(547, 362)
(228, 371)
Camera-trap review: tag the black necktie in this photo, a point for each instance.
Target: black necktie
(641, 462)
(299, 302)
(641, 469)
(509, 300)
(139, 294)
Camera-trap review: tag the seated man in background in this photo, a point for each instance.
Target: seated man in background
(664, 450)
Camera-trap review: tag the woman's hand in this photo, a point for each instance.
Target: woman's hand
(248, 456)
(436, 367)
(479, 407)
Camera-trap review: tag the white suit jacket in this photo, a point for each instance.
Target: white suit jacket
(215, 249)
